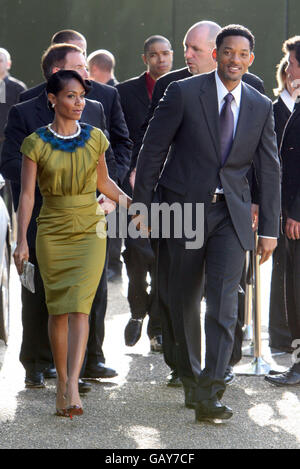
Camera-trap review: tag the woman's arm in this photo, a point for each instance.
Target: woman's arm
(28, 183)
(108, 187)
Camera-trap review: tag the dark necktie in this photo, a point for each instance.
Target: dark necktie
(226, 127)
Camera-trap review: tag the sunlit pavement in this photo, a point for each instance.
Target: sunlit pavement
(136, 409)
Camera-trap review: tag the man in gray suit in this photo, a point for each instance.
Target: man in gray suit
(205, 134)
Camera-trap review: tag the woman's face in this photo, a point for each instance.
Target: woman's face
(70, 101)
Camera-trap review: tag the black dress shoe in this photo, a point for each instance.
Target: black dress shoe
(50, 373)
(212, 409)
(229, 376)
(189, 397)
(173, 380)
(34, 379)
(133, 331)
(288, 378)
(99, 371)
(83, 387)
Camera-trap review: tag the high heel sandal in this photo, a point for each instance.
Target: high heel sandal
(62, 413)
(74, 410)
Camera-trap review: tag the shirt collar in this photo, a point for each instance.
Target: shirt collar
(222, 91)
(287, 99)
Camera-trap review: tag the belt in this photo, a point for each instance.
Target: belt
(218, 198)
(69, 201)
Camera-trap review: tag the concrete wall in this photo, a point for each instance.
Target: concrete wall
(121, 26)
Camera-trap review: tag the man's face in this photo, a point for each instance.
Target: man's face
(159, 59)
(75, 61)
(293, 68)
(4, 65)
(197, 51)
(233, 58)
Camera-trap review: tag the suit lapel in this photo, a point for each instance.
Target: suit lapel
(140, 90)
(209, 101)
(295, 115)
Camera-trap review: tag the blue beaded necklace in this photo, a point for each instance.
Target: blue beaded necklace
(69, 145)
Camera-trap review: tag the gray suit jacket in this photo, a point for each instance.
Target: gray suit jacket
(184, 137)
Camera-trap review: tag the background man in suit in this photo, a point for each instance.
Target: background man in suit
(10, 90)
(136, 94)
(279, 334)
(290, 148)
(23, 119)
(206, 132)
(101, 64)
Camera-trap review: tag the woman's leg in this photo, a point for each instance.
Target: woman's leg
(58, 335)
(78, 337)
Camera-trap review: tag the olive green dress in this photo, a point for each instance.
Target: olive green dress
(71, 235)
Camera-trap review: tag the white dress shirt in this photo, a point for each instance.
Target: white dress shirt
(222, 91)
(288, 100)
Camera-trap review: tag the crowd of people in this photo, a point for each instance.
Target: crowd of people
(76, 145)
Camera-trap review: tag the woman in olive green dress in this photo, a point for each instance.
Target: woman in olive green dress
(67, 159)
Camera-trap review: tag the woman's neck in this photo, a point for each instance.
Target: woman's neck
(64, 127)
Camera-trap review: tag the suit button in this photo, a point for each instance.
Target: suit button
(291, 148)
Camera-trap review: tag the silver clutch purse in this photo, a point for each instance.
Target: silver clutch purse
(27, 276)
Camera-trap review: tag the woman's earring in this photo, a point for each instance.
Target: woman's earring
(53, 105)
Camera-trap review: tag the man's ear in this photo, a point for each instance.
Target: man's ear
(252, 57)
(214, 54)
(55, 69)
(144, 59)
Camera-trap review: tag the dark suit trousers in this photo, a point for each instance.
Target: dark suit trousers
(279, 334)
(139, 263)
(35, 354)
(293, 287)
(223, 257)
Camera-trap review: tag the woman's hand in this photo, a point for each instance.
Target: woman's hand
(21, 254)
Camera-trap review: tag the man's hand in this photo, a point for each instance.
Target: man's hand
(141, 225)
(292, 229)
(254, 216)
(265, 247)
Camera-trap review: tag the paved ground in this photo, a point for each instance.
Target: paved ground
(136, 410)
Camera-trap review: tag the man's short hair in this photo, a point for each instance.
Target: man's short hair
(152, 39)
(66, 35)
(235, 30)
(281, 76)
(55, 56)
(292, 44)
(103, 59)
